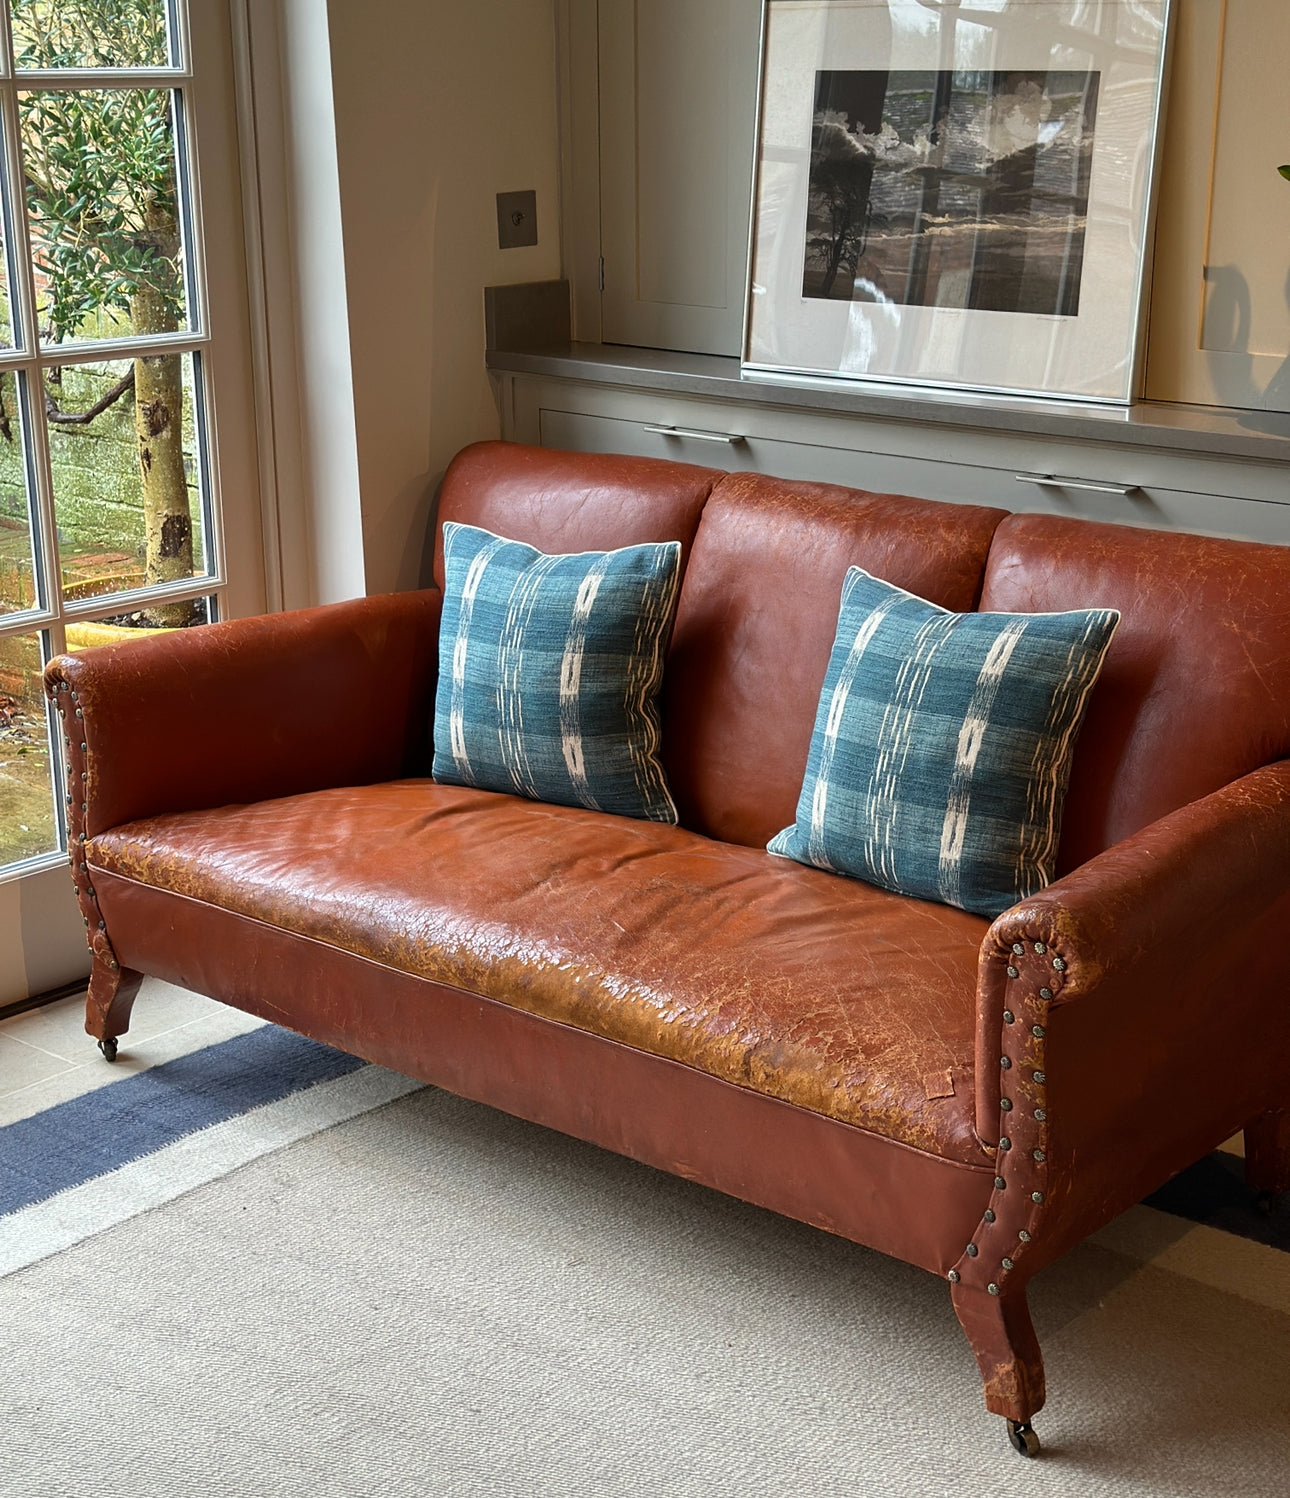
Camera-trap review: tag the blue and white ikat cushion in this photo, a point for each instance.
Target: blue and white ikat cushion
(942, 746)
(549, 669)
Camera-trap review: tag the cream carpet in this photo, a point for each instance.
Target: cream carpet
(435, 1299)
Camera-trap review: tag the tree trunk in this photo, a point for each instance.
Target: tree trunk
(158, 425)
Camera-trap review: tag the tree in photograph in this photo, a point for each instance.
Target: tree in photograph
(840, 179)
(101, 194)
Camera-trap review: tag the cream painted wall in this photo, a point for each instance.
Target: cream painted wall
(439, 106)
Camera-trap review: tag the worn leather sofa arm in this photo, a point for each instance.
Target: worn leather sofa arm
(248, 710)
(1137, 1011)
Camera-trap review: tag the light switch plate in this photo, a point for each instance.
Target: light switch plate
(516, 219)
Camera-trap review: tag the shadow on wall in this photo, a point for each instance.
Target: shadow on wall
(1227, 326)
(427, 579)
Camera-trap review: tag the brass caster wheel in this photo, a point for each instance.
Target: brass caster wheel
(108, 1047)
(1023, 1438)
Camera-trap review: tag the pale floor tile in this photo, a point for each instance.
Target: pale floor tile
(60, 1028)
(23, 1066)
(208, 1024)
(1235, 1145)
(57, 1028)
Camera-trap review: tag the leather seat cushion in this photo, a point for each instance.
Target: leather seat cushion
(821, 991)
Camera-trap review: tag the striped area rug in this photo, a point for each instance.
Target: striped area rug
(135, 1140)
(96, 1160)
(435, 1300)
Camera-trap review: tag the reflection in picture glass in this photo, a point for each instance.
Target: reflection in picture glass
(950, 189)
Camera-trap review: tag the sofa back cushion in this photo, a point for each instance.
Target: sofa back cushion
(756, 621)
(566, 502)
(1195, 691)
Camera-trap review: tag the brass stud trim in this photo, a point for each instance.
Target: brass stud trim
(1024, 1236)
(1000, 1184)
(988, 1214)
(954, 1276)
(992, 1288)
(1045, 993)
(1008, 1016)
(1007, 1263)
(1059, 964)
(972, 1250)
(1018, 948)
(1013, 973)
(1040, 947)
(1037, 1197)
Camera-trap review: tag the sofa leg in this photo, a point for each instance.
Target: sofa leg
(999, 1331)
(1267, 1152)
(109, 1001)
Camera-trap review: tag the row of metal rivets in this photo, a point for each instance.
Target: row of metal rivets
(88, 891)
(1005, 1105)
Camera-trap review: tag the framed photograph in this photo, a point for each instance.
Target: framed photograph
(956, 194)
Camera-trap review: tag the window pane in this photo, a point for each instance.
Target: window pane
(127, 487)
(90, 33)
(28, 826)
(103, 212)
(84, 634)
(17, 558)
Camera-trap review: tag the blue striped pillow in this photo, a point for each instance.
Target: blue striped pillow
(549, 669)
(942, 746)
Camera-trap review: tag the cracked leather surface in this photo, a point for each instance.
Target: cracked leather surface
(815, 989)
(1195, 691)
(253, 708)
(599, 503)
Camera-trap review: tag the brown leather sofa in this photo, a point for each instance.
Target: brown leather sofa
(971, 1097)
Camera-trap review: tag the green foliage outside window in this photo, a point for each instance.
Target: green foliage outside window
(102, 203)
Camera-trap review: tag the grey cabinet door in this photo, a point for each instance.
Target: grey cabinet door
(678, 88)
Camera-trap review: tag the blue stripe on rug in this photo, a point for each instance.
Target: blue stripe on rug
(100, 1131)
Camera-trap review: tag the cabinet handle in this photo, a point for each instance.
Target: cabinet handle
(729, 438)
(1058, 482)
